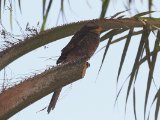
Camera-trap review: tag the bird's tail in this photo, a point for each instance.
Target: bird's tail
(54, 99)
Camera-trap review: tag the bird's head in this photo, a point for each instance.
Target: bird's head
(93, 27)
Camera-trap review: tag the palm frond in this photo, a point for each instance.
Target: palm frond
(135, 66)
(43, 7)
(62, 13)
(0, 8)
(157, 100)
(150, 3)
(124, 52)
(105, 4)
(115, 15)
(46, 13)
(147, 49)
(143, 14)
(125, 36)
(136, 74)
(19, 4)
(11, 14)
(107, 47)
(157, 108)
(151, 70)
(4, 3)
(109, 34)
(134, 103)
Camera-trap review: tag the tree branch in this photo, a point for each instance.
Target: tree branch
(12, 53)
(20, 96)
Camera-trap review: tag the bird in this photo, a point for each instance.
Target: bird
(82, 45)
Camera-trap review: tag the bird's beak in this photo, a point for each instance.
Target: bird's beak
(99, 29)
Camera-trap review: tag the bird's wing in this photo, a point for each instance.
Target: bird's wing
(73, 44)
(74, 41)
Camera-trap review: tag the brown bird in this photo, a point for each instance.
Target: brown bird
(82, 45)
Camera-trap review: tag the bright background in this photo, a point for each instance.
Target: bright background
(89, 98)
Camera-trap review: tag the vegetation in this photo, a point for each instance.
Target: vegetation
(142, 24)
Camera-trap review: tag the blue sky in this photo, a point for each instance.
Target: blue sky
(89, 98)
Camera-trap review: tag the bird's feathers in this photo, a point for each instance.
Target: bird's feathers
(82, 45)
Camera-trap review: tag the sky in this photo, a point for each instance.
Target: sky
(88, 98)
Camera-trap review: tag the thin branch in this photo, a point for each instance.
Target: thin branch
(12, 53)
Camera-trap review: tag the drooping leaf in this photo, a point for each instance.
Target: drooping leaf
(125, 36)
(19, 4)
(115, 15)
(110, 33)
(151, 70)
(143, 13)
(157, 108)
(0, 8)
(62, 11)
(117, 95)
(105, 4)
(49, 7)
(11, 15)
(124, 52)
(136, 74)
(144, 59)
(155, 98)
(46, 15)
(130, 1)
(147, 49)
(135, 66)
(62, 5)
(43, 7)
(70, 5)
(134, 103)
(121, 17)
(150, 3)
(106, 50)
(4, 4)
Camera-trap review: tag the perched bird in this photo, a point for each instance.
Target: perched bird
(82, 45)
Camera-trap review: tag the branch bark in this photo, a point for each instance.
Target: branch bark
(20, 96)
(12, 53)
